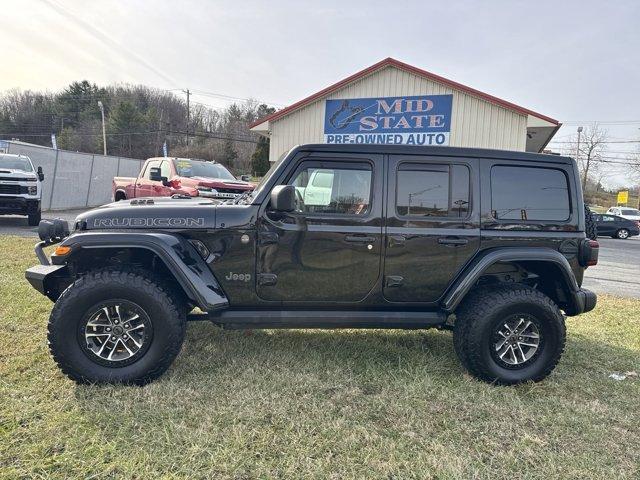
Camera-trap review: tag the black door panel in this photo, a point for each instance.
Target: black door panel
(432, 228)
(320, 254)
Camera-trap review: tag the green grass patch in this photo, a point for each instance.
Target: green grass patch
(317, 404)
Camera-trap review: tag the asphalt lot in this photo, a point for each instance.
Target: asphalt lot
(617, 272)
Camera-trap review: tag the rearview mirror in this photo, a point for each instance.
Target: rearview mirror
(156, 176)
(40, 174)
(283, 198)
(245, 178)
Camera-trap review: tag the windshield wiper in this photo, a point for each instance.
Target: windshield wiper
(245, 195)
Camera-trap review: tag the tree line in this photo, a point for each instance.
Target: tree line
(138, 121)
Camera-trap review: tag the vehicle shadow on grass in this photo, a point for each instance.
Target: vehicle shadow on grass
(212, 355)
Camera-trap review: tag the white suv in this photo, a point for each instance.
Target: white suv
(625, 212)
(20, 187)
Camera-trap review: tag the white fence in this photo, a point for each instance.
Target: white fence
(73, 179)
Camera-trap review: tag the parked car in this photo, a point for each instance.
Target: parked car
(487, 243)
(20, 187)
(625, 212)
(616, 227)
(163, 177)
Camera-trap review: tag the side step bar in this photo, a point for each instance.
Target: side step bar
(255, 319)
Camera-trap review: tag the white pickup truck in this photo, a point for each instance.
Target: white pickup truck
(20, 187)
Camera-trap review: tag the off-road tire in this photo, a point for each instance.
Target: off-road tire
(622, 234)
(34, 219)
(163, 307)
(484, 309)
(590, 227)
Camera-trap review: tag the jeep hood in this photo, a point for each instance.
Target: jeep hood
(154, 213)
(165, 213)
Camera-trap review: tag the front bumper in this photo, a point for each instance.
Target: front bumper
(43, 278)
(10, 205)
(219, 195)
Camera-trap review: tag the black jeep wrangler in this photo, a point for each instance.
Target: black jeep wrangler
(490, 244)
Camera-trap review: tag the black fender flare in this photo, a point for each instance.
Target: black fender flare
(179, 256)
(472, 273)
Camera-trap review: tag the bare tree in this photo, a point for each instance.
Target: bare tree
(588, 148)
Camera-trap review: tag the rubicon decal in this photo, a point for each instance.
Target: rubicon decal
(168, 222)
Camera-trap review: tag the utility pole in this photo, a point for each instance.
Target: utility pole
(104, 132)
(188, 93)
(586, 170)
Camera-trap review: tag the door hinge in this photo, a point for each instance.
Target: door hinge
(393, 281)
(267, 279)
(268, 238)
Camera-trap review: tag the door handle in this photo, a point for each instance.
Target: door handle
(397, 240)
(454, 241)
(358, 239)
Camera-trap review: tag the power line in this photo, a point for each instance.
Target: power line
(606, 141)
(231, 97)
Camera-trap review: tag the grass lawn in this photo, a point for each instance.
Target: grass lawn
(317, 404)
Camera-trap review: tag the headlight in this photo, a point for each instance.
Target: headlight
(32, 190)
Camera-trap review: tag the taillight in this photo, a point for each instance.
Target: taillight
(594, 246)
(588, 252)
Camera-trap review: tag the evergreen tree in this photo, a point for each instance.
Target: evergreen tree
(260, 158)
(229, 154)
(124, 121)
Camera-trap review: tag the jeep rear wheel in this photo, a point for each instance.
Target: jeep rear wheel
(509, 334)
(115, 326)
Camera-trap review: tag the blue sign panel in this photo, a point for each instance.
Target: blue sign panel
(419, 120)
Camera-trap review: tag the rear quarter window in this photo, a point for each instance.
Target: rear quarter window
(529, 194)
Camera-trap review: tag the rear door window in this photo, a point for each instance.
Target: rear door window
(529, 193)
(150, 165)
(432, 190)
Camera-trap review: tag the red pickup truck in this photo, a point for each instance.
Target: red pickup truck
(180, 176)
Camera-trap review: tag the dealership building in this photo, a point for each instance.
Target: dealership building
(392, 102)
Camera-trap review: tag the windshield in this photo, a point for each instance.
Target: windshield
(200, 168)
(630, 211)
(15, 163)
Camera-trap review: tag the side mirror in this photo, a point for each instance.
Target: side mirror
(40, 174)
(283, 198)
(156, 176)
(245, 178)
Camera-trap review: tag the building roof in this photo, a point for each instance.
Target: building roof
(392, 62)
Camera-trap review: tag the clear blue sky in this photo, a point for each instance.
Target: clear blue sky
(576, 61)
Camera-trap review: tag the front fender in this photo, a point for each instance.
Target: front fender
(581, 300)
(178, 255)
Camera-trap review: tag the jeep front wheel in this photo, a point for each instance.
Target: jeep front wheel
(115, 326)
(509, 334)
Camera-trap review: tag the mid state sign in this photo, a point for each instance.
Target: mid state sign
(419, 120)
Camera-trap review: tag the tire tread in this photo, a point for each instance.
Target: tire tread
(137, 279)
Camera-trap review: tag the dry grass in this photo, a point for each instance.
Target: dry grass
(317, 404)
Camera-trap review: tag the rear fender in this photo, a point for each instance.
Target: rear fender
(178, 255)
(551, 261)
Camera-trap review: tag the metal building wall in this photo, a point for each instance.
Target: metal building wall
(73, 179)
(475, 122)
